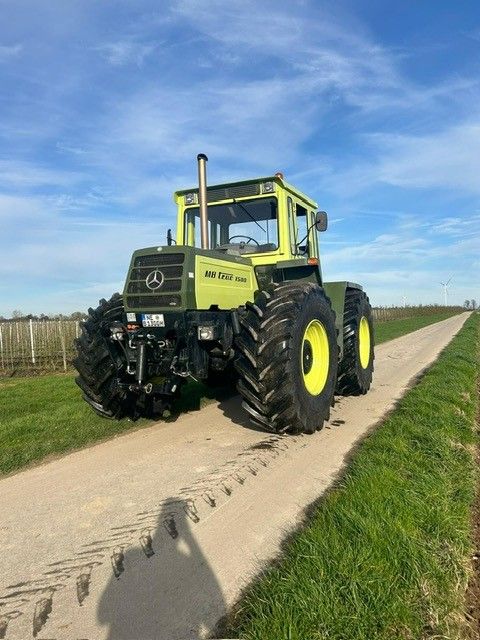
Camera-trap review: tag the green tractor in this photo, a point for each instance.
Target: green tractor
(238, 295)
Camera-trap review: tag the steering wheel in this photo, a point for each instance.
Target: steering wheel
(249, 239)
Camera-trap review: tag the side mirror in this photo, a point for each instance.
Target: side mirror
(321, 221)
(169, 238)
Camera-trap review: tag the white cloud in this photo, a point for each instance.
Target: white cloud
(449, 158)
(19, 210)
(21, 174)
(126, 51)
(456, 226)
(244, 127)
(10, 51)
(303, 41)
(411, 258)
(445, 159)
(70, 149)
(66, 258)
(308, 60)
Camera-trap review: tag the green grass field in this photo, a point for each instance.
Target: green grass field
(395, 328)
(44, 415)
(386, 554)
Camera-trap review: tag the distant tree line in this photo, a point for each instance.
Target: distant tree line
(17, 315)
(80, 315)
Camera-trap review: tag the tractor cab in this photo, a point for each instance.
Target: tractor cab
(264, 219)
(232, 240)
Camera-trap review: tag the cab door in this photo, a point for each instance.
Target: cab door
(303, 233)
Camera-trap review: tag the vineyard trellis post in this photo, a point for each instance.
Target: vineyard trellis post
(62, 342)
(1, 348)
(31, 341)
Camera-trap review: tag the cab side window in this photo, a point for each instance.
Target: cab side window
(302, 230)
(313, 237)
(292, 226)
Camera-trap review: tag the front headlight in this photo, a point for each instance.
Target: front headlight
(207, 333)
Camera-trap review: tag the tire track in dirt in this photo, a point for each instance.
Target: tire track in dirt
(213, 490)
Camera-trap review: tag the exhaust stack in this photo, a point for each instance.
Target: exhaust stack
(202, 198)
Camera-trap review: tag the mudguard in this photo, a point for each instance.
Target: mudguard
(336, 292)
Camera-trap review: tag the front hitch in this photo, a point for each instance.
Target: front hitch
(141, 362)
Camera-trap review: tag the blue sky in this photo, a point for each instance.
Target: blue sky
(370, 107)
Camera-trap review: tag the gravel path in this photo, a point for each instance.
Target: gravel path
(154, 533)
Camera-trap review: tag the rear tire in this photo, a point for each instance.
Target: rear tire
(355, 371)
(99, 364)
(288, 356)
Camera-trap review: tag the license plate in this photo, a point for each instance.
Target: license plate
(153, 320)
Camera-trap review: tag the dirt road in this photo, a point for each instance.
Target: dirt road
(153, 534)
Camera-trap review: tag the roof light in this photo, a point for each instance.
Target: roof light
(279, 174)
(191, 198)
(268, 187)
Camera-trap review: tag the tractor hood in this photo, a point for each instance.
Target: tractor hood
(181, 277)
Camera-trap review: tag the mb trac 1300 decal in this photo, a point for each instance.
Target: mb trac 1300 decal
(222, 275)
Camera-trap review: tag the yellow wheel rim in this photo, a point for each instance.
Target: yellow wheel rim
(364, 342)
(314, 357)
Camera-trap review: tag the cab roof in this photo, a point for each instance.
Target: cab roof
(280, 181)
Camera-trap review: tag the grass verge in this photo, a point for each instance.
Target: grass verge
(386, 554)
(45, 415)
(395, 328)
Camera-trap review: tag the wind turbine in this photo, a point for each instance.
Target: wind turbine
(445, 289)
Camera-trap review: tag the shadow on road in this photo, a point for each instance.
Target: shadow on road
(231, 407)
(165, 588)
(195, 395)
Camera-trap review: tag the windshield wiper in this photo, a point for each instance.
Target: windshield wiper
(249, 214)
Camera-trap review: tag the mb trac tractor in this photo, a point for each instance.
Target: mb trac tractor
(238, 295)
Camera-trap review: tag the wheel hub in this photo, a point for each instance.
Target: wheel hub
(314, 357)
(307, 356)
(364, 342)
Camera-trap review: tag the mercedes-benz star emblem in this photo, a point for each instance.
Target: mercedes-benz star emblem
(154, 280)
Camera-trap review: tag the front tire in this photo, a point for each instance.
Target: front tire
(99, 365)
(356, 367)
(288, 355)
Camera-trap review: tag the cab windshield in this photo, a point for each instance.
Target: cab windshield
(248, 226)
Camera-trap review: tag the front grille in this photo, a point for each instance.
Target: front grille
(159, 259)
(140, 273)
(148, 302)
(167, 287)
(171, 266)
(167, 264)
